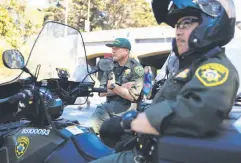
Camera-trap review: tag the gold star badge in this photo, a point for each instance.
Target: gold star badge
(21, 146)
(212, 74)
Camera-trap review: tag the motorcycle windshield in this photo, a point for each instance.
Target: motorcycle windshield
(59, 46)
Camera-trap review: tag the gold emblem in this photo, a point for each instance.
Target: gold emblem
(21, 146)
(212, 74)
(183, 74)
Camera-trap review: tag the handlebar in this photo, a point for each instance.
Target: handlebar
(17, 97)
(14, 98)
(100, 90)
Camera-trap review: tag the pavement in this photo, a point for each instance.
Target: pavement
(82, 113)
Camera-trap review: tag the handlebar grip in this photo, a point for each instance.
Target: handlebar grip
(100, 90)
(14, 98)
(17, 97)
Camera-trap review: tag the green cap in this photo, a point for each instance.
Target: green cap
(121, 43)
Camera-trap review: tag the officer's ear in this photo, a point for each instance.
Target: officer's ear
(127, 51)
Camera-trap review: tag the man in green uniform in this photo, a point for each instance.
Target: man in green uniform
(197, 98)
(125, 86)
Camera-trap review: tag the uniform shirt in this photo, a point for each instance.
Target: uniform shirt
(197, 98)
(132, 71)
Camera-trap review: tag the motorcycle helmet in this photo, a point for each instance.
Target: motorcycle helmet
(216, 19)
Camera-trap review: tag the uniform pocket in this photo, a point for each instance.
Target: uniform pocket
(126, 78)
(172, 88)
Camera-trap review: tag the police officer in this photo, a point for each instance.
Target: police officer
(125, 86)
(196, 99)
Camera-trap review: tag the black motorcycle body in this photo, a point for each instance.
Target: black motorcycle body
(27, 144)
(31, 130)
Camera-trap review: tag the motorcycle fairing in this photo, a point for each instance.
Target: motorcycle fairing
(39, 147)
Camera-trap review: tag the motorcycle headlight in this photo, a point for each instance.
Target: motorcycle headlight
(210, 7)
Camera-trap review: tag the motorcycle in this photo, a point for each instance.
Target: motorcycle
(32, 104)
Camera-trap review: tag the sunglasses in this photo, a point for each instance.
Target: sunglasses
(186, 23)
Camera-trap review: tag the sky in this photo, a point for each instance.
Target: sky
(238, 11)
(38, 3)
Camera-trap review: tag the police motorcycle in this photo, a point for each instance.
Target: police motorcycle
(31, 130)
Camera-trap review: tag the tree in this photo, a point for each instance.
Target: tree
(104, 14)
(54, 13)
(125, 14)
(17, 24)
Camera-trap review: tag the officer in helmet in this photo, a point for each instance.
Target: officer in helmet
(196, 99)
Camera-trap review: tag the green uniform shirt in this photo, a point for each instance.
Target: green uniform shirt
(194, 101)
(132, 71)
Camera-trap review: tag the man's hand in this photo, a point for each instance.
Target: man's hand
(142, 125)
(128, 85)
(109, 91)
(109, 84)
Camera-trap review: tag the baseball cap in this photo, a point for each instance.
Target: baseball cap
(121, 43)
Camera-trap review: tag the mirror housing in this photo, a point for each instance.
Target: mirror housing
(13, 59)
(105, 64)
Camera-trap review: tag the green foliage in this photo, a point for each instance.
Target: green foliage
(17, 24)
(54, 13)
(104, 14)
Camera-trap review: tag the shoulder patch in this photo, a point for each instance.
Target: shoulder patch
(139, 70)
(212, 74)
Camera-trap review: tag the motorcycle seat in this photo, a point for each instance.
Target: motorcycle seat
(220, 147)
(92, 146)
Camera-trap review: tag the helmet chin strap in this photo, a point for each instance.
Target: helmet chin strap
(175, 49)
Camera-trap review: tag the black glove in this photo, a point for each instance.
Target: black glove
(127, 118)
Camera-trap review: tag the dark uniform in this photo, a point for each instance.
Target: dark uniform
(193, 101)
(132, 71)
(182, 104)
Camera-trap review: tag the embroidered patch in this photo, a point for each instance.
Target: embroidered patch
(21, 146)
(183, 74)
(116, 42)
(139, 70)
(127, 72)
(212, 74)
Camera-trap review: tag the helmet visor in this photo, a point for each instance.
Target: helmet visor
(214, 7)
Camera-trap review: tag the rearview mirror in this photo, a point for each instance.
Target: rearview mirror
(13, 59)
(105, 64)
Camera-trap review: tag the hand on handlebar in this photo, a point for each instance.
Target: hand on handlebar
(137, 122)
(20, 96)
(127, 118)
(142, 125)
